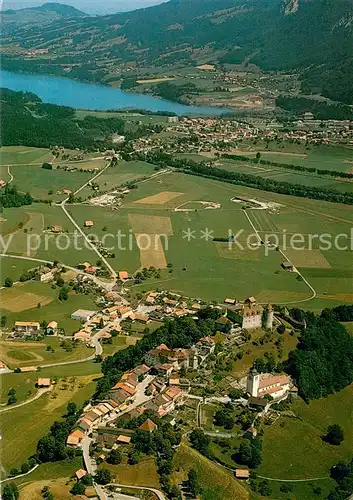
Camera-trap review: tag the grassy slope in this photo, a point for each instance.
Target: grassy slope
(216, 483)
(22, 427)
(310, 456)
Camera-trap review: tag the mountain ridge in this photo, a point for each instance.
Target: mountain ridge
(312, 37)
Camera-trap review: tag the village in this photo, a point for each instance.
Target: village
(172, 385)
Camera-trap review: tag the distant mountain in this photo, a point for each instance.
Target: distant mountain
(43, 14)
(312, 37)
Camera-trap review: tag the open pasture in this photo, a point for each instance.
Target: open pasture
(17, 446)
(114, 177)
(24, 155)
(47, 184)
(310, 456)
(16, 299)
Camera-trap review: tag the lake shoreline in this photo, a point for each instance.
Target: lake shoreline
(34, 82)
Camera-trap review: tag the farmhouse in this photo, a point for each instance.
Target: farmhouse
(223, 324)
(123, 439)
(27, 326)
(47, 277)
(75, 438)
(43, 382)
(80, 474)
(123, 275)
(89, 223)
(288, 266)
(242, 473)
(56, 229)
(82, 315)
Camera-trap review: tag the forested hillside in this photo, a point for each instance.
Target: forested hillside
(26, 120)
(314, 37)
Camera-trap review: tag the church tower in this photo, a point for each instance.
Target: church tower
(253, 382)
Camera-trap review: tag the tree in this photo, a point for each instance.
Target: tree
(114, 457)
(71, 408)
(3, 321)
(63, 295)
(46, 448)
(78, 488)
(25, 467)
(10, 492)
(264, 488)
(200, 442)
(47, 166)
(245, 453)
(8, 282)
(281, 328)
(334, 435)
(103, 476)
(12, 398)
(235, 393)
(194, 483)
(134, 457)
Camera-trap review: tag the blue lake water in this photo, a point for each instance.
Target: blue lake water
(66, 92)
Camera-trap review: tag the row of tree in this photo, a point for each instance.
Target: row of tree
(202, 169)
(289, 166)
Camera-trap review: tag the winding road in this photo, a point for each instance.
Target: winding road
(312, 289)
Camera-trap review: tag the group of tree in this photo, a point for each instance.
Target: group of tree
(161, 443)
(10, 492)
(10, 197)
(342, 473)
(320, 109)
(322, 363)
(52, 447)
(250, 452)
(28, 121)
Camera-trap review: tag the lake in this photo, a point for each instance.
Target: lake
(66, 92)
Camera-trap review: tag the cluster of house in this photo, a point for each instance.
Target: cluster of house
(109, 319)
(33, 328)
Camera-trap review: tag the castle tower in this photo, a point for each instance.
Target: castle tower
(269, 318)
(253, 382)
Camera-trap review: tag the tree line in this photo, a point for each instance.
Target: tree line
(289, 166)
(202, 169)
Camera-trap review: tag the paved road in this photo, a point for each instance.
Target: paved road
(20, 475)
(80, 230)
(312, 289)
(39, 394)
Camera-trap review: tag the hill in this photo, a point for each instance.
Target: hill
(43, 14)
(312, 37)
